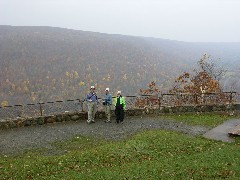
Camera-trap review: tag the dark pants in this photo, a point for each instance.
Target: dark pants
(119, 112)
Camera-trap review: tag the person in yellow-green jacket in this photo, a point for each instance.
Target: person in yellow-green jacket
(120, 106)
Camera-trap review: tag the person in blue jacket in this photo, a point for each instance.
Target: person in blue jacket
(107, 102)
(92, 101)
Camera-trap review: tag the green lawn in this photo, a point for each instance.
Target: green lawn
(150, 154)
(154, 154)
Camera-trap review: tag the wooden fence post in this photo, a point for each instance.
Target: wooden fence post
(196, 98)
(81, 103)
(41, 111)
(230, 99)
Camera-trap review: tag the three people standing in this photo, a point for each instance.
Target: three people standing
(119, 103)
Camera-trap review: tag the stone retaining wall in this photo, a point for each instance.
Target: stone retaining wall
(22, 122)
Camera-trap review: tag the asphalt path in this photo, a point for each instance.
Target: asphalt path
(17, 140)
(221, 132)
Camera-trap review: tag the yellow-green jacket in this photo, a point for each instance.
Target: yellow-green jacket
(122, 101)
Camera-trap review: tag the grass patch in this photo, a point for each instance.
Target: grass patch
(79, 143)
(210, 120)
(147, 155)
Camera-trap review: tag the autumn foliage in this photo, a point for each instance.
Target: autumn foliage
(205, 80)
(149, 97)
(201, 87)
(202, 82)
(39, 64)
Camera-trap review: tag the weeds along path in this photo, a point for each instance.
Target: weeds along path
(21, 139)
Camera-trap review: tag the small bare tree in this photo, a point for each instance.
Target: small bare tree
(208, 65)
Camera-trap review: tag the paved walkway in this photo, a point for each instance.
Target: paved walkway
(221, 132)
(26, 138)
(21, 139)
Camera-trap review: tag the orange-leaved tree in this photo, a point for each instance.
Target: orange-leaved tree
(149, 97)
(203, 85)
(205, 80)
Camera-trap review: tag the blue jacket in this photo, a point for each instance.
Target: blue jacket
(92, 97)
(108, 99)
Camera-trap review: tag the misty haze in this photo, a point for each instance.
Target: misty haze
(46, 63)
(110, 89)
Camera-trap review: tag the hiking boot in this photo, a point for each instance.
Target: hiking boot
(88, 122)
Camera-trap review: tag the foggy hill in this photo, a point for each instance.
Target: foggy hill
(47, 63)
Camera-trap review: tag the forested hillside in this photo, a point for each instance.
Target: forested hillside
(46, 63)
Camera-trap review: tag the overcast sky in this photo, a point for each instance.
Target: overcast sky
(184, 20)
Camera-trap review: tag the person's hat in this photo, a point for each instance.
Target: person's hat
(92, 87)
(119, 92)
(107, 89)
